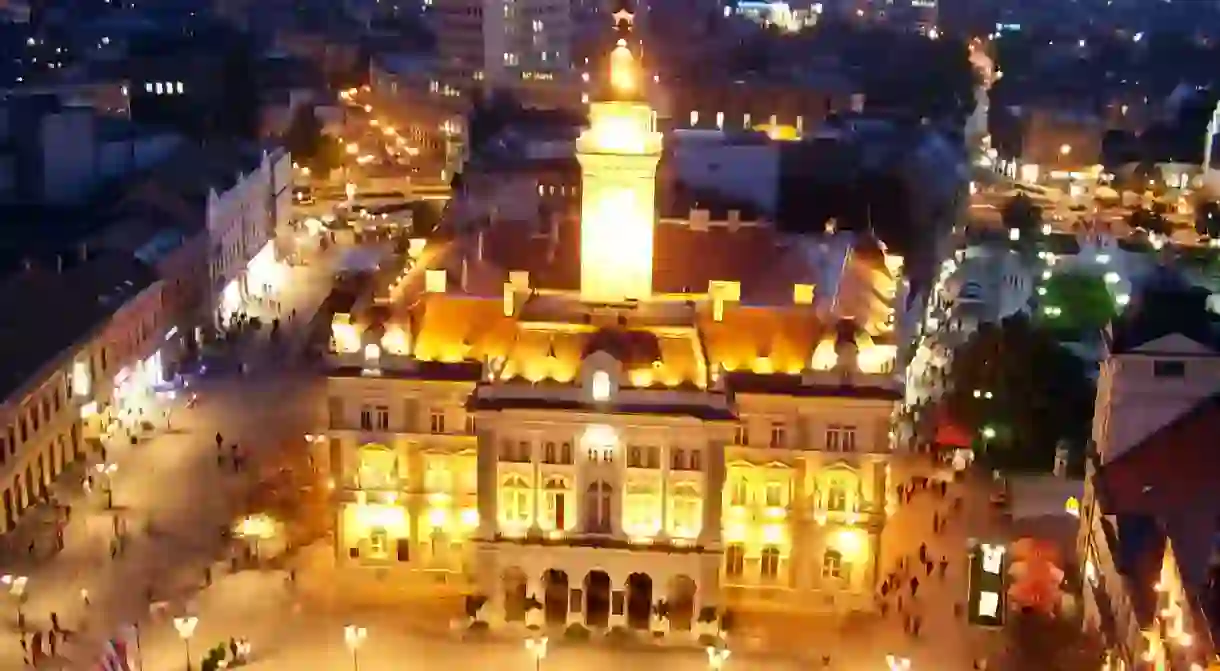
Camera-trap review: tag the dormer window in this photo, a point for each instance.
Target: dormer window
(1168, 368)
(600, 386)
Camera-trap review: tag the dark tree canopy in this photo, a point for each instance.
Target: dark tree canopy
(1207, 219)
(1151, 221)
(1084, 301)
(1046, 643)
(1040, 393)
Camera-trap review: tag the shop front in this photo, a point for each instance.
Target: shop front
(135, 391)
(264, 273)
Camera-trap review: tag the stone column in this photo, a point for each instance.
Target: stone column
(487, 466)
(664, 531)
(537, 491)
(713, 496)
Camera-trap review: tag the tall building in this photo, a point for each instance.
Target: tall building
(510, 44)
(618, 420)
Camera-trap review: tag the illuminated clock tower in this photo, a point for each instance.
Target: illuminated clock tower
(618, 157)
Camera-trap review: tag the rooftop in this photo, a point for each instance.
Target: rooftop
(84, 296)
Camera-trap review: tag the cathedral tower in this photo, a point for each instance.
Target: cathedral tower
(618, 157)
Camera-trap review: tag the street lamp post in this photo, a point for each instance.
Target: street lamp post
(106, 471)
(354, 637)
(16, 585)
(896, 663)
(717, 656)
(537, 649)
(185, 626)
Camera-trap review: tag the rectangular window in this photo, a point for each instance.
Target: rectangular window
(548, 453)
(779, 435)
(654, 456)
(738, 492)
(565, 456)
(696, 460)
(634, 457)
(734, 560)
(677, 460)
(436, 422)
(383, 418)
(524, 450)
(1167, 368)
(741, 437)
(334, 408)
(366, 418)
(769, 566)
(775, 494)
(840, 438)
(471, 426)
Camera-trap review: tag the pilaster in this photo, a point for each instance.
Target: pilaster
(713, 497)
(486, 465)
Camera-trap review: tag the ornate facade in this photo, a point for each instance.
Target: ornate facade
(681, 418)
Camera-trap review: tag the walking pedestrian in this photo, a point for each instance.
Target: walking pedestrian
(55, 621)
(30, 549)
(944, 566)
(84, 597)
(914, 587)
(219, 441)
(928, 567)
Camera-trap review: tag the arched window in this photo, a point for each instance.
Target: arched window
(832, 564)
(598, 500)
(686, 514)
(515, 500)
(769, 566)
(556, 503)
(836, 496)
(378, 468)
(600, 386)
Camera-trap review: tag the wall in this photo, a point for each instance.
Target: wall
(41, 436)
(117, 158)
(748, 172)
(69, 167)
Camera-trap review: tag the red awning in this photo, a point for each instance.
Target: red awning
(951, 434)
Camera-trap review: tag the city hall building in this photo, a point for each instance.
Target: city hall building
(613, 417)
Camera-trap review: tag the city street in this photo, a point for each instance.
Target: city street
(170, 499)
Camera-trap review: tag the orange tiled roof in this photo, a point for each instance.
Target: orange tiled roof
(764, 339)
(462, 328)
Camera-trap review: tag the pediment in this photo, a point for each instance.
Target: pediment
(1174, 343)
(841, 465)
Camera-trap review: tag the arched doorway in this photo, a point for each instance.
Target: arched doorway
(514, 582)
(597, 599)
(681, 603)
(555, 597)
(639, 600)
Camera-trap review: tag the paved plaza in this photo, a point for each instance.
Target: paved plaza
(171, 500)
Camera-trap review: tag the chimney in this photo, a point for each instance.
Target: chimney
(59, 263)
(465, 275)
(479, 247)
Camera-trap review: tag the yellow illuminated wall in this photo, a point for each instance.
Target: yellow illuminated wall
(618, 157)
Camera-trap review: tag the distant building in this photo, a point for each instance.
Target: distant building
(54, 154)
(1148, 535)
(90, 361)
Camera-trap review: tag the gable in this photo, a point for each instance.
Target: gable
(1174, 344)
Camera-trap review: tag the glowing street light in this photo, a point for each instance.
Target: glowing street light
(368, 108)
(537, 649)
(353, 148)
(988, 433)
(1065, 149)
(717, 657)
(16, 584)
(185, 626)
(106, 471)
(354, 637)
(896, 663)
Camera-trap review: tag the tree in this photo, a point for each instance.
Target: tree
(1049, 643)
(1033, 394)
(1150, 221)
(308, 145)
(1207, 219)
(1079, 302)
(1021, 213)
